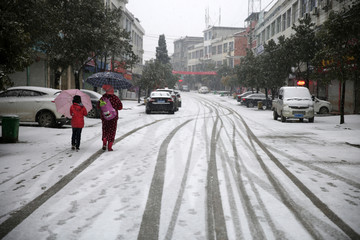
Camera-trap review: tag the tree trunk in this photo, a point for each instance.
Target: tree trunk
(139, 93)
(342, 102)
(307, 80)
(57, 79)
(77, 80)
(357, 93)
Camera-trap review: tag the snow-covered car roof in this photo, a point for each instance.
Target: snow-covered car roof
(50, 91)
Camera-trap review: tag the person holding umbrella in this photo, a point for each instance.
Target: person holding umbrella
(109, 125)
(77, 112)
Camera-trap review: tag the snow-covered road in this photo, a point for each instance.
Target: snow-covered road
(213, 170)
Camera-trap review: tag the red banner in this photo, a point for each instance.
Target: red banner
(194, 73)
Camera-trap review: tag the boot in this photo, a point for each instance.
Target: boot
(110, 146)
(104, 144)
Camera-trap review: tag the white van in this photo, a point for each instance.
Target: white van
(293, 102)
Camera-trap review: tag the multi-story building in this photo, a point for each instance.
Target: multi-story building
(179, 59)
(283, 14)
(195, 56)
(279, 21)
(215, 40)
(217, 47)
(137, 32)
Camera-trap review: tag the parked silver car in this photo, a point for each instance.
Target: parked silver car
(32, 104)
(321, 106)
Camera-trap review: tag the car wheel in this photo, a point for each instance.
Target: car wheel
(311, 120)
(92, 113)
(148, 111)
(275, 115)
(301, 119)
(324, 110)
(171, 112)
(251, 105)
(283, 119)
(46, 119)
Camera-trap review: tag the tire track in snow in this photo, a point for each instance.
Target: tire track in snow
(20, 215)
(298, 211)
(254, 225)
(149, 228)
(216, 224)
(175, 213)
(214, 202)
(301, 186)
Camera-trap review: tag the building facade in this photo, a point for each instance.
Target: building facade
(279, 20)
(179, 59)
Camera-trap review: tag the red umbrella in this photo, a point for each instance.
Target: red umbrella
(64, 101)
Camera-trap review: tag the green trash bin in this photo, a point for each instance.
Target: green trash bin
(10, 128)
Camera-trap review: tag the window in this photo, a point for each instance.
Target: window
(206, 52)
(295, 12)
(284, 22)
(11, 93)
(288, 21)
(303, 7)
(278, 24)
(219, 49)
(231, 62)
(213, 52)
(29, 93)
(272, 28)
(231, 46)
(225, 47)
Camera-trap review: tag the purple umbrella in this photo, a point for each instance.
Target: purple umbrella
(116, 80)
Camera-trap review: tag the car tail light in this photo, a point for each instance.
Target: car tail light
(151, 100)
(170, 100)
(243, 99)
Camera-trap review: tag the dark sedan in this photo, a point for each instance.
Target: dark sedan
(253, 99)
(160, 102)
(240, 96)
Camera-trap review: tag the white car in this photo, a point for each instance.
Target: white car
(203, 90)
(321, 106)
(32, 104)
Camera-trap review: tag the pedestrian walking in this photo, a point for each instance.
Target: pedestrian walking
(109, 105)
(77, 112)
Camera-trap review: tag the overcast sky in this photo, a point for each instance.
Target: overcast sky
(180, 18)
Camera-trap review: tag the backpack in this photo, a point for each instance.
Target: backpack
(107, 109)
